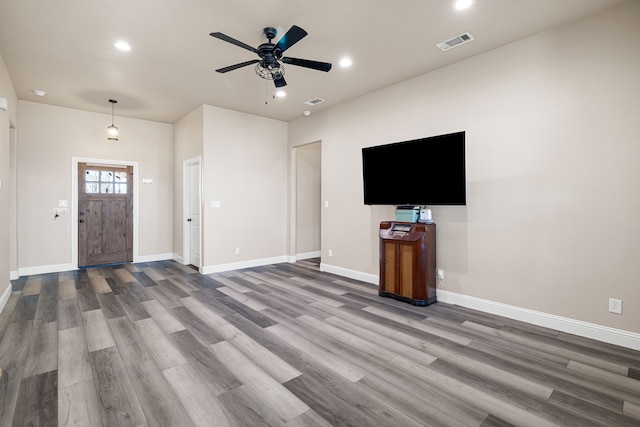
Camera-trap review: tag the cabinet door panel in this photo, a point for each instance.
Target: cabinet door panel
(406, 266)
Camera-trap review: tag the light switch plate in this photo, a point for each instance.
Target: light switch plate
(63, 204)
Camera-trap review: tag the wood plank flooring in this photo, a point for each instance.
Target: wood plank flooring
(158, 344)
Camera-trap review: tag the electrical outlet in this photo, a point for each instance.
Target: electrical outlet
(237, 251)
(440, 277)
(330, 252)
(615, 306)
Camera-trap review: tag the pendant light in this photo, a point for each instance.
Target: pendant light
(112, 130)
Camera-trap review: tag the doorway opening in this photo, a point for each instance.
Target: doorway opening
(306, 203)
(104, 211)
(13, 203)
(105, 214)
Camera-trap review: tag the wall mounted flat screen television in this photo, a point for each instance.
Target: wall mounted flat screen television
(426, 171)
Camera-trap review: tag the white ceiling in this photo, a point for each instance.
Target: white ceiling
(65, 47)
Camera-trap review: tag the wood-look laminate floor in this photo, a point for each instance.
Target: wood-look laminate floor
(158, 344)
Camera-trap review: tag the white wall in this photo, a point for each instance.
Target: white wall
(553, 169)
(245, 168)
(188, 142)
(7, 200)
(49, 137)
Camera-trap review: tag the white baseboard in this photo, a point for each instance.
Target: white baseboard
(177, 258)
(352, 274)
(307, 255)
(151, 258)
(5, 297)
(13, 275)
(44, 269)
(559, 323)
(58, 268)
(218, 268)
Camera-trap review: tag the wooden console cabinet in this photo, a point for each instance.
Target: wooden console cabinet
(408, 262)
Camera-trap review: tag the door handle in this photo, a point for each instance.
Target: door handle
(81, 220)
(189, 220)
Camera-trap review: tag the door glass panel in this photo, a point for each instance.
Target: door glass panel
(106, 188)
(91, 181)
(91, 187)
(106, 176)
(106, 182)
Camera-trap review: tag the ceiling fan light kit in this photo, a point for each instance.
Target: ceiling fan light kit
(270, 72)
(268, 66)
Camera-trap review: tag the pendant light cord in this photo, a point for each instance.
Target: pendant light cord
(113, 106)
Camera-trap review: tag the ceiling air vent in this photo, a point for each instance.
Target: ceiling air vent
(314, 101)
(456, 41)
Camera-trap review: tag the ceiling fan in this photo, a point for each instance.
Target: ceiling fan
(268, 66)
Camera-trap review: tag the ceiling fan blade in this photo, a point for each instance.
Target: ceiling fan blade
(234, 41)
(236, 66)
(293, 36)
(314, 65)
(280, 82)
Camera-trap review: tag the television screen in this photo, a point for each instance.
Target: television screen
(427, 171)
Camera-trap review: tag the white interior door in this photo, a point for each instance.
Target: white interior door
(194, 214)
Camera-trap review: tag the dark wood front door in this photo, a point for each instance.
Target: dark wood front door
(105, 214)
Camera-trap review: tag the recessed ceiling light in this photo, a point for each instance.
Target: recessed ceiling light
(39, 92)
(122, 45)
(462, 4)
(281, 94)
(346, 62)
